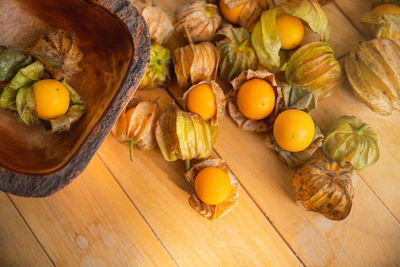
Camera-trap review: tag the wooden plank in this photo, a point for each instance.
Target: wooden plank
(92, 223)
(18, 246)
(160, 191)
(383, 177)
(315, 239)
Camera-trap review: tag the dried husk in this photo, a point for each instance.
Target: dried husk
(236, 52)
(241, 120)
(195, 63)
(325, 187)
(158, 21)
(141, 127)
(184, 135)
(373, 71)
(213, 212)
(12, 59)
(58, 52)
(315, 67)
(383, 26)
(296, 97)
(219, 99)
(200, 19)
(158, 71)
(349, 140)
(265, 36)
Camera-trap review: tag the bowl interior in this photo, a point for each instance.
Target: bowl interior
(108, 50)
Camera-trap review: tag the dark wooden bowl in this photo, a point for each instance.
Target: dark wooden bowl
(115, 41)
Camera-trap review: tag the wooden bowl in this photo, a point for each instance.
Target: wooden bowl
(116, 46)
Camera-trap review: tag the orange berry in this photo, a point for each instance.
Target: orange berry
(256, 99)
(52, 99)
(294, 130)
(231, 15)
(212, 185)
(387, 9)
(201, 100)
(291, 31)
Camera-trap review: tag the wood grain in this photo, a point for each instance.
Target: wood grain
(18, 246)
(93, 223)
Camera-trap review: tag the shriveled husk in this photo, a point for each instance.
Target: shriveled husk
(184, 135)
(241, 120)
(195, 63)
(325, 187)
(251, 10)
(158, 21)
(373, 71)
(141, 127)
(219, 99)
(349, 140)
(158, 71)
(265, 36)
(315, 67)
(200, 19)
(383, 26)
(12, 59)
(213, 212)
(296, 97)
(236, 52)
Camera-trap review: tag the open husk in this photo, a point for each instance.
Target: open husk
(373, 71)
(296, 97)
(241, 120)
(315, 67)
(195, 63)
(140, 127)
(219, 98)
(213, 212)
(158, 21)
(236, 52)
(184, 135)
(325, 187)
(200, 18)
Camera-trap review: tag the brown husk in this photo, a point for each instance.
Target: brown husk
(325, 187)
(195, 63)
(201, 20)
(213, 212)
(241, 120)
(158, 21)
(58, 52)
(219, 98)
(141, 127)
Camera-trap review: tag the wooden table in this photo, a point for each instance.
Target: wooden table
(119, 213)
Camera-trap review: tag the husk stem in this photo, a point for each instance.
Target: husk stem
(131, 144)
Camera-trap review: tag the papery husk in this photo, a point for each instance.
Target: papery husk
(236, 52)
(184, 135)
(158, 21)
(195, 63)
(158, 71)
(315, 67)
(349, 140)
(26, 106)
(12, 59)
(24, 77)
(200, 19)
(213, 212)
(373, 71)
(241, 120)
(325, 187)
(141, 127)
(58, 52)
(219, 98)
(296, 97)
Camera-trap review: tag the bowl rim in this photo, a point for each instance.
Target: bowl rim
(41, 185)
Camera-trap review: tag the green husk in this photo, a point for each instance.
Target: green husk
(183, 135)
(24, 77)
(348, 139)
(11, 60)
(26, 106)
